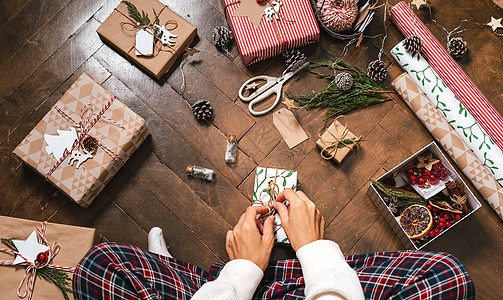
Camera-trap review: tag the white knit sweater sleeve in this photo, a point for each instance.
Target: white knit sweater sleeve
(238, 280)
(327, 275)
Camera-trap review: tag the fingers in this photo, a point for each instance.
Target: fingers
(229, 244)
(303, 197)
(282, 210)
(269, 228)
(287, 194)
(252, 212)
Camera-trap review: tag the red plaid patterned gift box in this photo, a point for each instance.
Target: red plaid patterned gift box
(85, 110)
(281, 24)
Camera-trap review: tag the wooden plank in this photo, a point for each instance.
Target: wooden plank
(174, 111)
(116, 226)
(27, 22)
(161, 182)
(227, 117)
(175, 153)
(9, 9)
(146, 211)
(34, 53)
(104, 12)
(18, 180)
(48, 77)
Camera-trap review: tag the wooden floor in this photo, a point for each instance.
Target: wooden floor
(46, 45)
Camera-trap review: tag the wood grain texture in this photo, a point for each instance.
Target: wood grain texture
(53, 42)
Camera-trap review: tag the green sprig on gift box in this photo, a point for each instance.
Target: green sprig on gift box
(363, 93)
(57, 277)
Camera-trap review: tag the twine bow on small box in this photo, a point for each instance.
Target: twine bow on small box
(337, 141)
(28, 281)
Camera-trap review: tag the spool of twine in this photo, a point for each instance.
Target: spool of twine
(337, 15)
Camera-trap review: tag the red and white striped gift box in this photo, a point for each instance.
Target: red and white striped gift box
(450, 72)
(296, 27)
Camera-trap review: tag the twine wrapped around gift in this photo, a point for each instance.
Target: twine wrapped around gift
(28, 281)
(340, 141)
(278, 27)
(273, 191)
(88, 118)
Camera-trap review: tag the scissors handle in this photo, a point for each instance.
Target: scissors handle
(276, 89)
(270, 81)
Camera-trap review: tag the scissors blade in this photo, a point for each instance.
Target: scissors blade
(290, 74)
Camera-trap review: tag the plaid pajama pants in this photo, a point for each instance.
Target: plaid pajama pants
(120, 271)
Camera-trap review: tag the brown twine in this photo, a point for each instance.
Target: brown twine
(332, 149)
(157, 49)
(458, 201)
(273, 190)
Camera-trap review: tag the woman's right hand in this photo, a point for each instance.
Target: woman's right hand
(302, 221)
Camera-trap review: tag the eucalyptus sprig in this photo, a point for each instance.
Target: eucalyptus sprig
(363, 93)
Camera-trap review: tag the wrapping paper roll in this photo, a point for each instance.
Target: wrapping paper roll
(459, 151)
(450, 72)
(452, 109)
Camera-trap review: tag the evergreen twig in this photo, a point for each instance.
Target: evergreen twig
(59, 278)
(364, 92)
(399, 197)
(141, 18)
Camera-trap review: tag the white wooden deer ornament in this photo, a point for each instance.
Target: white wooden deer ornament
(167, 37)
(272, 12)
(79, 157)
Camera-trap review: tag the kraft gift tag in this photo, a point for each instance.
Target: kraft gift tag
(289, 127)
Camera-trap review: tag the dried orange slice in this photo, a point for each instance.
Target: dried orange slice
(416, 221)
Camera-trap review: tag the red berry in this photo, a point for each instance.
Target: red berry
(432, 233)
(435, 209)
(42, 258)
(437, 167)
(442, 220)
(457, 216)
(447, 224)
(429, 207)
(437, 231)
(441, 225)
(447, 216)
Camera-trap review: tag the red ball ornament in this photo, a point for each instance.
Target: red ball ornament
(447, 224)
(442, 220)
(441, 225)
(421, 181)
(429, 207)
(437, 231)
(410, 171)
(447, 216)
(42, 258)
(426, 173)
(413, 179)
(442, 174)
(432, 233)
(432, 179)
(457, 217)
(437, 167)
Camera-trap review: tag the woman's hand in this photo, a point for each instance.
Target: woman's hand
(251, 239)
(302, 221)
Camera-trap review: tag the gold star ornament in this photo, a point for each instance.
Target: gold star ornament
(495, 23)
(252, 9)
(418, 3)
(289, 103)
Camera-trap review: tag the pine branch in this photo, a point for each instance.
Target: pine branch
(364, 92)
(9, 243)
(141, 18)
(399, 197)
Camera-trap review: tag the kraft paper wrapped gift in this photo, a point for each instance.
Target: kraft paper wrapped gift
(117, 32)
(90, 109)
(291, 25)
(279, 180)
(74, 242)
(329, 141)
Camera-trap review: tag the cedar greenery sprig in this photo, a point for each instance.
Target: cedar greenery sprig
(364, 92)
(346, 142)
(399, 197)
(141, 18)
(57, 277)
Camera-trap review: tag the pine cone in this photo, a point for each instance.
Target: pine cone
(413, 43)
(202, 110)
(344, 81)
(456, 47)
(377, 70)
(222, 36)
(90, 144)
(294, 59)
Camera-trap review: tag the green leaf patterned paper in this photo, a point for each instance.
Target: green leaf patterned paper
(442, 98)
(284, 179)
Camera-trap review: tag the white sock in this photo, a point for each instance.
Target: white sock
(156, 242)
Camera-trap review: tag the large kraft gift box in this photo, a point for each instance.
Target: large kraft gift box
(258, 38)
(118, 130)
(74, 242)
(118, 34)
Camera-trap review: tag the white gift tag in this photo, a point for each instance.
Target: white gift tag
(144, 43)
